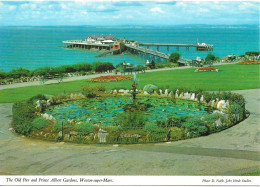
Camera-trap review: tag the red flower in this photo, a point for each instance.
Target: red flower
(109, 78)
(207, 68)
(249, 62)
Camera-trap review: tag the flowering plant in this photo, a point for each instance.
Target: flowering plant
(109, 78)
(249, 62)
(206, 69)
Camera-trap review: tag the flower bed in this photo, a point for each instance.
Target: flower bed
(249, 62)
(109, 78)
(206, 69)
(111, 118)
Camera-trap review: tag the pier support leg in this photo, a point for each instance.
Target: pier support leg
(177, 48)
(157, 47)
(168, 48)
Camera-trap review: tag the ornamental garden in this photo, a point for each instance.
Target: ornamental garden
(125, 116)
(110, 109)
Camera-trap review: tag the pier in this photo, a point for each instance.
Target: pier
(198, 46)
(86, 45)
(112, 45)
(152, 54)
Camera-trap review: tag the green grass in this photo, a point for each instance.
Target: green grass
(229, 77)
(256, 173)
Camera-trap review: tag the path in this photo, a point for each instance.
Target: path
(68, 79)
(230, 152)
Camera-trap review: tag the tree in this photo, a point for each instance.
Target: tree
(210, 57)
(152, 64)
(174, 57)
(3, 74)
(18, 73)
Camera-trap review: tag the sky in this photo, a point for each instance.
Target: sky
(121, 13)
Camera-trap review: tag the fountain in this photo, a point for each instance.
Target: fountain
(134, 92)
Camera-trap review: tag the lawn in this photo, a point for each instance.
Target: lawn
(229, 77)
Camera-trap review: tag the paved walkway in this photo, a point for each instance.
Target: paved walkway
(68, 79)
(230, 152)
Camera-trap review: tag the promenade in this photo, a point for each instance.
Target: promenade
(75, 78)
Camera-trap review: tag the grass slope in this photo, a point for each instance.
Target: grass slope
(229, 77)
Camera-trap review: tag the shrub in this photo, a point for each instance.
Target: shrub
(37, 97)
(176, 133)
(84, 128)
(89, 92)
(83, 67)
(3, 75)
(39, 123)
(102, 66)
(236, 110)
(150, 127)
(41, 71)
(152, 64)
(150, 88)
(195, 127)
(23, 115)
(114, 130)
(65, 69)
(210, 120)
(23, 112)
(210, 57)
(101, 88)
(174, 57)
(158, 135)
(176, 121)
(252, 53)
(131, 120)
(24, 128)
(18, 73)
(57, 127)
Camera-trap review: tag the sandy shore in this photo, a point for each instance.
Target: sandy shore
(231, 152)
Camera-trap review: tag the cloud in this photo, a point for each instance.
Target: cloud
(117, 16)
(156, 10)
(203, 10)
(245, 5)
(181, 4)
(12, 7)
(63, 6)
(127, 3)
(166, 2)
(84, 12)
(69, 12)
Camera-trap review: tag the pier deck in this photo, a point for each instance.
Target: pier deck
(198, 46)
(148, 51)
(83, 42)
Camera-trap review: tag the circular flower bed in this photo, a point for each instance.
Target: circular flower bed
(206, 69)
(249, 62)
(106, 110)
(109, 78)
(111, 118)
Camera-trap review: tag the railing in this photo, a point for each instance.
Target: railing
(149, 51)
(83, 42)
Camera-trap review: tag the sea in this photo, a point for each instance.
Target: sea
(34, 47)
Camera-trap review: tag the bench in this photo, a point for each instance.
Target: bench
(133, 69)
(47, 77)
